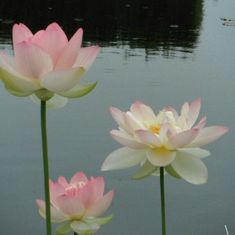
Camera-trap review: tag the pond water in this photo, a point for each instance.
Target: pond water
(160, 52)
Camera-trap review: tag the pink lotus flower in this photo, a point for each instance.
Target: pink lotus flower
(46, 63)
(78, 203)
(165, 139)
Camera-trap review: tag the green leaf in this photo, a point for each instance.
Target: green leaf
(79, 90)
(170, 170)
(144, 171)
(63, 229)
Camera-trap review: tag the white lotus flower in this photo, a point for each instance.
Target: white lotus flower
(166, 139)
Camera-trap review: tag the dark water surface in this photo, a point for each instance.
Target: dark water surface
(161, 52)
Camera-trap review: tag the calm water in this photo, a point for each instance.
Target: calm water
(160, 52)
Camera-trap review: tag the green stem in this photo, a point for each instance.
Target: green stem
(45, 166)
(163, 211)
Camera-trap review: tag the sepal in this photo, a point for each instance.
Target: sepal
(144, 171)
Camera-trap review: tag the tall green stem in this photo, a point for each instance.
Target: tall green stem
(163, 211)
(45, 166)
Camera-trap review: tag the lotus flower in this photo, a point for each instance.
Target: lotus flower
(46, 63)
(166, 139)
(76, 204)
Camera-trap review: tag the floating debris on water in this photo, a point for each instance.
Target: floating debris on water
(228, 21)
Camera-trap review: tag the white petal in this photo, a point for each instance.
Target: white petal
(17, 85)
(160, 156)
(132, 122)
(118, 116)
(148, 138)
(183, 138)
(190, 168)
(123, 158)
(62, 80)
(126, 140)
(82, 228)
(194, 110)
(56, 215)
(55, 102)
(208, 135)
(185, 110)
(194, 152)
(14, 82)
(143, 112)
(172, 110)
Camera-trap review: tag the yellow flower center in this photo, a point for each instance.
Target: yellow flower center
(155, 129)
(162, 150)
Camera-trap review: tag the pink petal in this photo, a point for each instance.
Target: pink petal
(208, 135)
(85, 194)
(143, 112)
(70, 53)
(38, 36)
(101, 205)
(78, 177)
(40, 203)
(31, 60)
(183, 138)
(86, 57)
(56, 215)
(20, 33)
(194, 110)
(70, 205)
(56, 189)
(160, 156)
(63, 182)
(62, 80)
(148, 138)
(97, 185)
(126, 140)
(53, 40)
(92, 191)
(201, 123)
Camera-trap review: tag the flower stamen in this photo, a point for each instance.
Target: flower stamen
(155, 129)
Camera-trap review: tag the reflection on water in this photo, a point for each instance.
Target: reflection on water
(167, 27)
